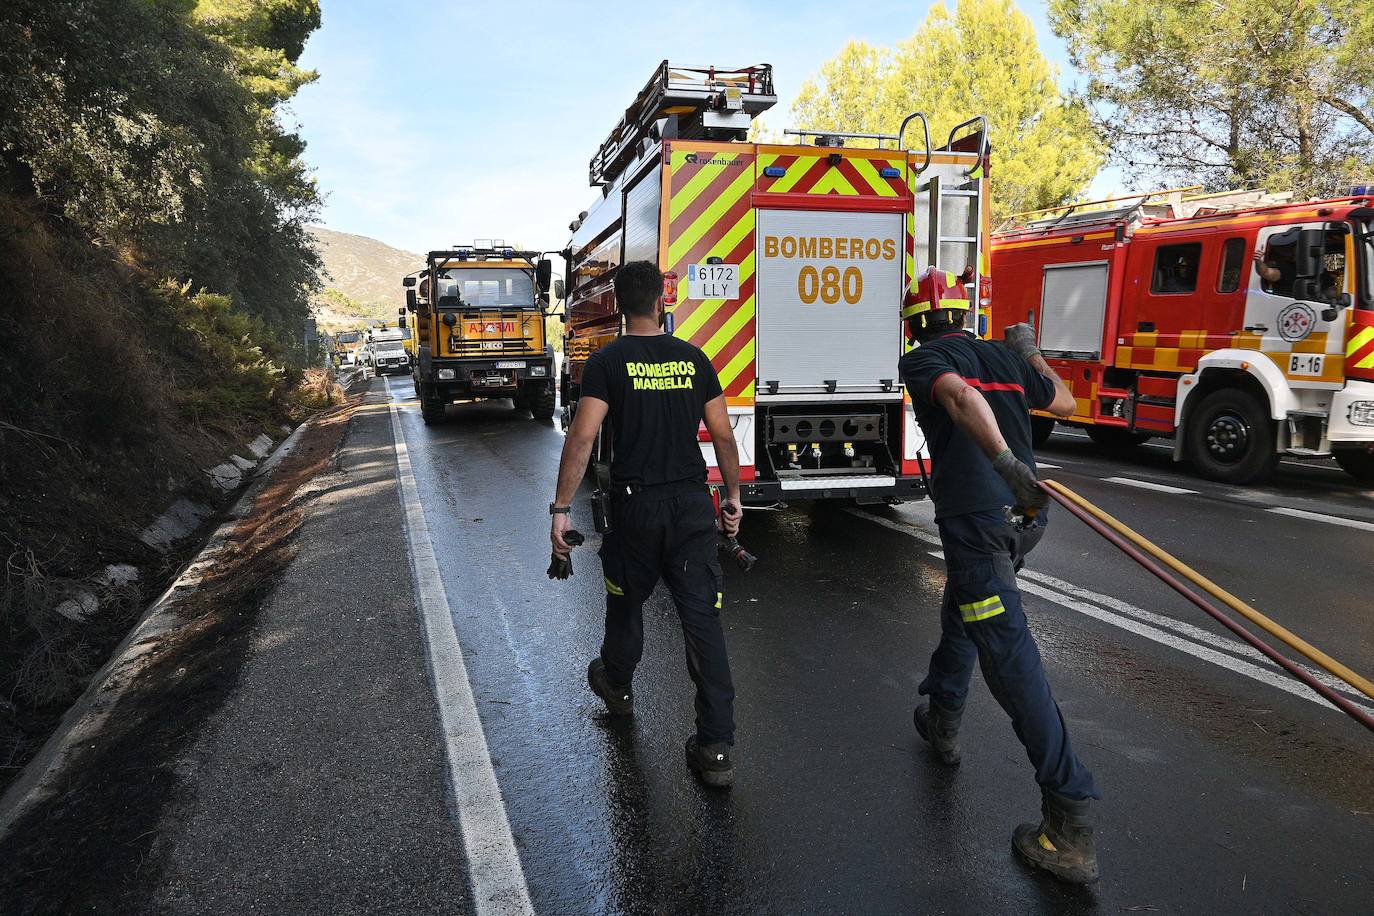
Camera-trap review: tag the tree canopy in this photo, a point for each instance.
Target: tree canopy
(153, 125)
(1230, 92)
(982, 58)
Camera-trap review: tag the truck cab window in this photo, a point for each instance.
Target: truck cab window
(1278, 263)
(492, 287)
(1176, 268)
(1232, 265)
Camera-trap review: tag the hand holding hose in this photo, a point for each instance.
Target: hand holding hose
(1025, 489)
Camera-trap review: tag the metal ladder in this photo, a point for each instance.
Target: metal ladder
(970, 189)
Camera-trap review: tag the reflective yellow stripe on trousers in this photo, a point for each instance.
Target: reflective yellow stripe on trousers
(981, 610)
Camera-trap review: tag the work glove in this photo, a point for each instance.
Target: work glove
(561, 567)
(1020, 339)
(1021, 479)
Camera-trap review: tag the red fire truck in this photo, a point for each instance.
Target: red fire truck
(1243, 329)
(787, 264)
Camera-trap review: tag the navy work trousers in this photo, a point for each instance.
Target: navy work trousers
(981, 617)
(669, 533)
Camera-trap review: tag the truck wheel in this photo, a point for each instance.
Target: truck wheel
(542, 402)
(431, 405)
(1231, 437)
(1115, 439)
(1357, 462)
(1041, 427)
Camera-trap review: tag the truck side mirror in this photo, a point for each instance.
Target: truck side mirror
(542, 272)
(559, 290)
(407, 281)
(410, 300)
(1311, 247)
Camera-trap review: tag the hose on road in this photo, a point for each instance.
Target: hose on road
(1115, 533)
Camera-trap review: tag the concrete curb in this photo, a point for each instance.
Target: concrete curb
(83, 721)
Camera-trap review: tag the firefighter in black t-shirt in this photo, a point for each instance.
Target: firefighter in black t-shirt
(972, 399)
(657, 390)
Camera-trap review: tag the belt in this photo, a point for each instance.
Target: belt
(656, 491)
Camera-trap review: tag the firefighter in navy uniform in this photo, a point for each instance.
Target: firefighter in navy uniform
(972, 399)
(657, 390)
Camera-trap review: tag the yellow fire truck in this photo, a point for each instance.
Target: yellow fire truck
(477, 319)
(788, 264)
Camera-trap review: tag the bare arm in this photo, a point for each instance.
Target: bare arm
(969, 410)
(577, 449)
(1064, 403)
(1267, 274)
(717, 419)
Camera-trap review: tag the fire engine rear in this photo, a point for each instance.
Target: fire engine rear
(787, 264)
(1241, 326)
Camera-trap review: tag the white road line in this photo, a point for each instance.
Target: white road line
(1164, 630)
(1044, 465)
(498, 880)
(1147, 485)
(1318, 517)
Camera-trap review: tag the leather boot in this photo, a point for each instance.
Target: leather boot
(940, 727)
(1062, 843)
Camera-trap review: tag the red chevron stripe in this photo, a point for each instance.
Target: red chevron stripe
(1360, 354)
(782, 162)
(731, 349)
(705, 199)
(684, 173)
(814, 174)
(713, 235)
(722, 314)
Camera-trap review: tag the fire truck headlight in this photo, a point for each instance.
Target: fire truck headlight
(539, 370)
(1362, 413)
(445, 374)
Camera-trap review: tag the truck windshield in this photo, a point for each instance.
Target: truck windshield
(493, 287)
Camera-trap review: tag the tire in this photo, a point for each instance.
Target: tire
(431, 405)
(1231, 437)
(1041, 428)
(542, 401)
(1114, 438)
(1357, 462)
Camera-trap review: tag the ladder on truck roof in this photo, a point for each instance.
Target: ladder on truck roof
(707, 102)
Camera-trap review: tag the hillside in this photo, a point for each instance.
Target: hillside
(365, 273)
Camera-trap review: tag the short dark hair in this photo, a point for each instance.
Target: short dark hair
(638, 285)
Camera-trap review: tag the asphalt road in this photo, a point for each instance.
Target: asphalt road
(1227, 787)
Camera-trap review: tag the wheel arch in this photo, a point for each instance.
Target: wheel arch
(1248, 370)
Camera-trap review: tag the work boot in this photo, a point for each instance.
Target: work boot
(620, 701)
(941, 728)
(711, 763)
(1062, 843)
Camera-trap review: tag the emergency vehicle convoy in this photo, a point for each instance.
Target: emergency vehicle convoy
(1243, 331)
(476, 316)
(789, 265)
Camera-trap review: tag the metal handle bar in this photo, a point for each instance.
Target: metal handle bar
(982, 143)
(925, 124)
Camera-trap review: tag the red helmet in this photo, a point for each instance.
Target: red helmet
(936, 291)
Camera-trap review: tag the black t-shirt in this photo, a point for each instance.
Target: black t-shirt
(963, 480)
(657, 388)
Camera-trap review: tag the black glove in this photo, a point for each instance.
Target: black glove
(1020, 339)
(1021, 480)
(560, 568)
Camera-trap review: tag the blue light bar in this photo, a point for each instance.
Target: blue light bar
(890, 172)
(775, 171)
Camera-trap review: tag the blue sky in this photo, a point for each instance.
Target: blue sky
(434, 123)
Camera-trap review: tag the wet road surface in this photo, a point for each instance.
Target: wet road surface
(1223, 791)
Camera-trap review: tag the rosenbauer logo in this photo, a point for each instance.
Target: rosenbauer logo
(695, 159)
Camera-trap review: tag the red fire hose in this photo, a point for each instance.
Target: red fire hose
(1331, 696)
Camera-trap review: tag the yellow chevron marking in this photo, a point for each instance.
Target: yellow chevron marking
(795, 171)
(763, 161)
(727, 331)
(732, 370)
(870, 174)
(1362, 338)
(1366, 363)
(696, 184)
(693, 233)
(832, 180)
